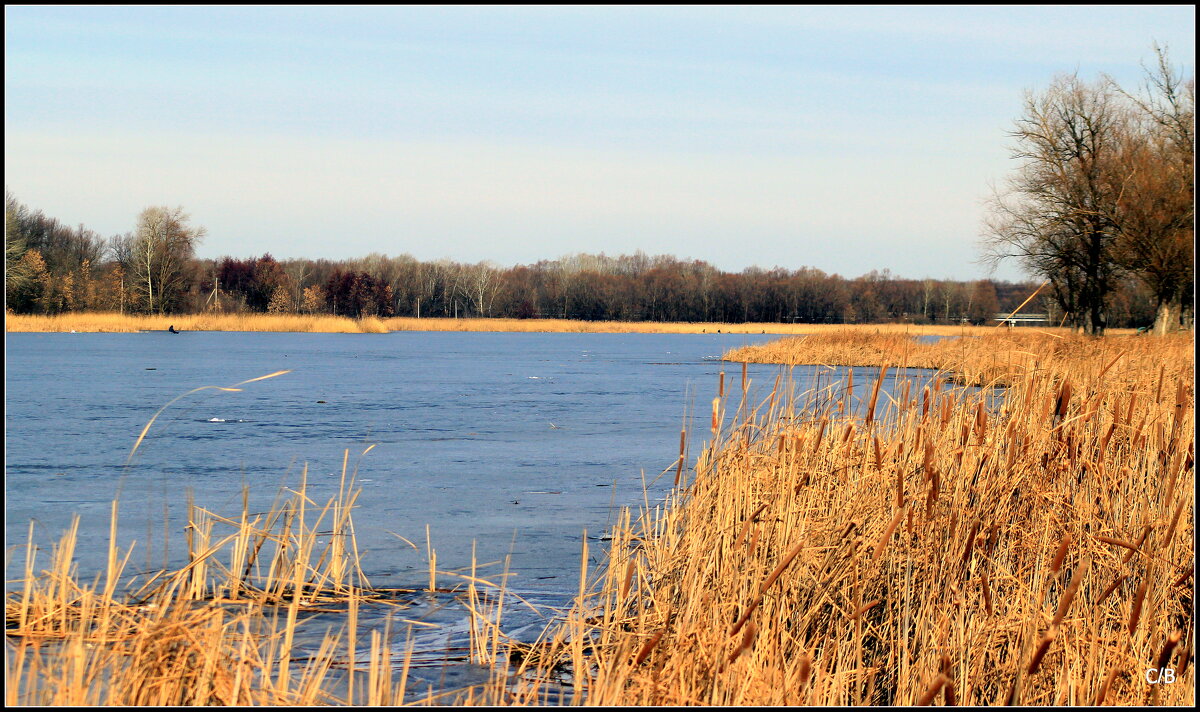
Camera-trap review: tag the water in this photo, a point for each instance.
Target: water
(511, 443)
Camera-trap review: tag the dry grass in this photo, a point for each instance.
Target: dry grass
(653, 327)
(929, 551)
(993, 357)
(220, 630)
(114, 322)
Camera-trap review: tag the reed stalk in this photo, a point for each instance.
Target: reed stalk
(1009, 583)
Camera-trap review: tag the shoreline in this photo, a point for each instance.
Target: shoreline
(111, 322)
(885, 538)
(842, 544)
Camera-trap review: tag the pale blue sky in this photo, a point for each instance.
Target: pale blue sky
(842, 138)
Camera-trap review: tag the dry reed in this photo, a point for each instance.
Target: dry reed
(1039, 553)
(222, 628)
(217, 321)
(944, 553)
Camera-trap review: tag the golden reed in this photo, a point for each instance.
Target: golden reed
(1037, 551)
(115, 322)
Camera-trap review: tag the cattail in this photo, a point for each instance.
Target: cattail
(993, 538)
(887, 534)
(1174, 520)
(820, 435)
(629, 566)
(1108, 681)
(875, 395)
(1135, 612)
(987, 593)
(747, 641)
(935, 486)
(648, 646)
(970, 544)
(1041, 650)
(1111, 587)
(1116, 542)
(864, 608)
(932, 691)
(948, 673)
(787, 560)
(1064, 604)
(1137, 545)
(1104, 441)
(1180, 406)
(1185, 655)
(1165, 656)
(682, 451)
(716, 407)
(805, 669)
(749, 521)
(1110, 365)
(980, 423)
(1064, 399)
(1056, 564)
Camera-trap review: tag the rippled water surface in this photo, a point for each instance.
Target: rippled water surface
(514, 443)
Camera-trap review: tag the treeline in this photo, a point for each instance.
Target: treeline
(1104, 193)
(52, 268)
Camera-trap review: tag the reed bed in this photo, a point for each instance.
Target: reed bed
(656, 327)
(223, 628)
(991, 357)
(926, 549)
(929, 550)
(115, 322)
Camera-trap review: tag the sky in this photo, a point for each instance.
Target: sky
(845, 138)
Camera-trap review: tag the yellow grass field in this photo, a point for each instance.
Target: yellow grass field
(114, 322)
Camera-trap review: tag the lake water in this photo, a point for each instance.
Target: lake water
(512, 442)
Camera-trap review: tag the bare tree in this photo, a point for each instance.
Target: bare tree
(163, 247)
(1155, 212)
(298, 271)
(1055, 216)
(480, 283)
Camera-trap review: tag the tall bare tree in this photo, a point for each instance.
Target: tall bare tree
(1155, 211)
(163, 248)
(1056, 216)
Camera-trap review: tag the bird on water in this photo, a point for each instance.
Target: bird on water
(172, 329)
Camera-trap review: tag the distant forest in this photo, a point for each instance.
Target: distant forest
(51, 268)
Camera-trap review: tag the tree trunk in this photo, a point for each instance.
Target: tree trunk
(1167, 318)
